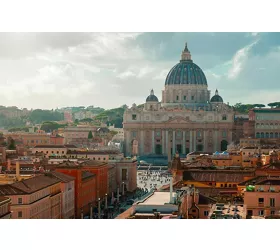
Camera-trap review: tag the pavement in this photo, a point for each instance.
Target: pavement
(152, 179)
(146, 180)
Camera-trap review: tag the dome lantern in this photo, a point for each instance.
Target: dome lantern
(186, 54)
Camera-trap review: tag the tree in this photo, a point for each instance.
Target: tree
(274, 104)
(90, 136)
(12, 145)
(259, 105)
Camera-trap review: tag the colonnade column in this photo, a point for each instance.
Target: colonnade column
(184, 142)
(142, 142)
(191, 141)
(205, 148)
(166, 142)
(173, 143)
(216, 140)
(163, 141)
(153, 141)
(194, 140)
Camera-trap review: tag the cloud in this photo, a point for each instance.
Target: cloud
(125, 74)
(49, 70)
(239, 60)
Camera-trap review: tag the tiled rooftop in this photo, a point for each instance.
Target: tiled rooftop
(62, 177)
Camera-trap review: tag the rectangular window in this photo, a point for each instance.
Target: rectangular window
(272, 212)
(272, 202)
(225, 185)
(222, 185)
(261, 213)
(261, 200)
(250, 212)
(19, 200)
(134, 117)
(19, 214)
(185, 98)
(192, 97)
(224, 134)
(177, 97)
(133, 134)
(206, 213)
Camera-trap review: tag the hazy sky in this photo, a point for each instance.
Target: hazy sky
(49, 70)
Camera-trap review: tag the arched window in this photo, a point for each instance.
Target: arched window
(262, 134)
(266, 135)
(271, 135)
(258, 135)
(257, 125)
(224, 117)
(276, 135)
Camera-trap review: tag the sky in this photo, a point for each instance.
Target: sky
(54, 70)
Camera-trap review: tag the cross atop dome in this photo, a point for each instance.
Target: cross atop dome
(216, 92)
(186, 54)
(152, 92)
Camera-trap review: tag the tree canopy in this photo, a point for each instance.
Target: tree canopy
(244, 108)
(39, 116)
(51, 126)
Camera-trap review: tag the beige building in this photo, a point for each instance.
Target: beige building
(55, 150)
(186, 119)
(30, 139)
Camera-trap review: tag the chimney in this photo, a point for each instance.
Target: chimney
(171, 190)
(17, 171)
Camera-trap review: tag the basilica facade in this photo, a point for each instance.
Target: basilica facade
(187, 119)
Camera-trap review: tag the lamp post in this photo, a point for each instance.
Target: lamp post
(106, 201)
(90, 212)
(99, 212)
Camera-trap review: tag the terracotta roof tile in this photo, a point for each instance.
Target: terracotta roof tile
(62, 177)
(35, 183)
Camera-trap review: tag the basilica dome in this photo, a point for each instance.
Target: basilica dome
(216, 97)
(186, 72)
(152, 97)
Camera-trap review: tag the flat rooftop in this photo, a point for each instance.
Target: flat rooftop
(158, 198)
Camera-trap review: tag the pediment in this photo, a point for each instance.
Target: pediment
(178, 119)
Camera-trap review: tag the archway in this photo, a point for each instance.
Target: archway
(158, 149)
(224, 144)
